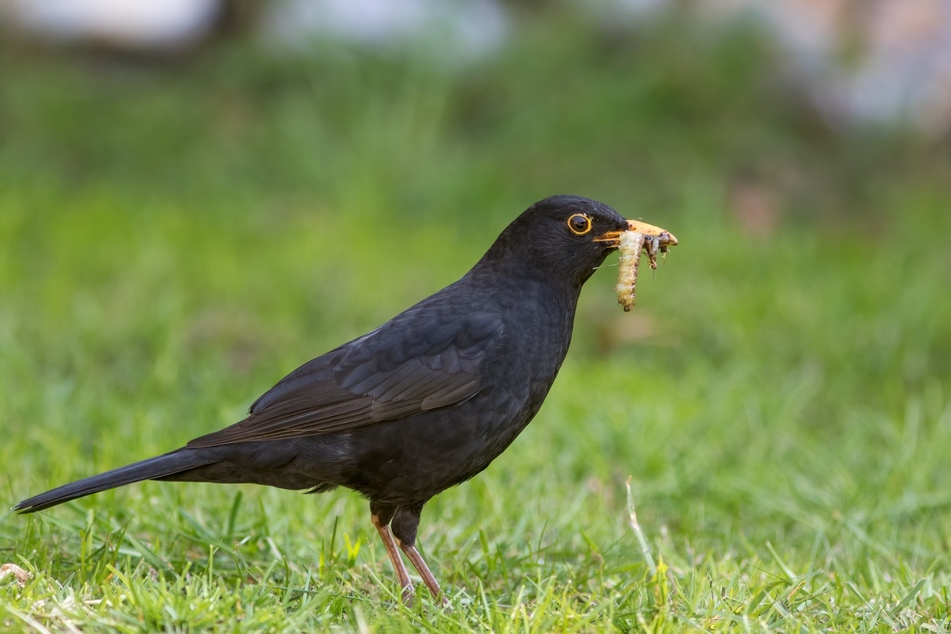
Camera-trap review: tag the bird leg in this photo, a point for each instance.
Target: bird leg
(405, 524)
(380, 516)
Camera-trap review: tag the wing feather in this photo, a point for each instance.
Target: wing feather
(404, 367)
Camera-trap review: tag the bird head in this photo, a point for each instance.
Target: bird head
(566, 238)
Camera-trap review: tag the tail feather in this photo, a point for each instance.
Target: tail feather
(150, 469)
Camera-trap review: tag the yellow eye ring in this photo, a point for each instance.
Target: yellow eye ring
(579, 224)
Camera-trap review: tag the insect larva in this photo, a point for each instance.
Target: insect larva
(629, 247)
(639, 235)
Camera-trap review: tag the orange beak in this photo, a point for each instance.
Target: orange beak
(665, 238)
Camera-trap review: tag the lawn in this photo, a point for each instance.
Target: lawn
(176, 237)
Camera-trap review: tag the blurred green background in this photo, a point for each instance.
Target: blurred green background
(178, 233)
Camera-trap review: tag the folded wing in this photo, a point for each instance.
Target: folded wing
(411, 364)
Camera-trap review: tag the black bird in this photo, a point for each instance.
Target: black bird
(422, 403)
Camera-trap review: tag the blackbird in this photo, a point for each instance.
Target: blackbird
(422, 403)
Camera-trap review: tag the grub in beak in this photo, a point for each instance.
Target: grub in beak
(639, 236)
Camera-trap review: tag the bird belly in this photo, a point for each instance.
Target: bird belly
(409, 461)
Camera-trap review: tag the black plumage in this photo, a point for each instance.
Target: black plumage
(420, 404)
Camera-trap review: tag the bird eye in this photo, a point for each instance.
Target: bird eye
(579, 224)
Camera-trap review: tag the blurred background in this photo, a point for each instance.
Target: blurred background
(195, 197)
(439, 121)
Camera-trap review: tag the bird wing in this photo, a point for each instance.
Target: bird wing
(421, 360)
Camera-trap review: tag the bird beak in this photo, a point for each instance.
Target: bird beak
(664, 238)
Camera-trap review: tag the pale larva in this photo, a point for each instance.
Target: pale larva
(629, 243)
(629, 247)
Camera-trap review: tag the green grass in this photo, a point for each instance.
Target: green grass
(173, 240)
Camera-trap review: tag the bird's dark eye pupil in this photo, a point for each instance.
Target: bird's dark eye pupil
(579, 223)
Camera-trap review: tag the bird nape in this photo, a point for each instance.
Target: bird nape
(425, 401)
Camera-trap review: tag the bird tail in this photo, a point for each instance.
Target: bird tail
(150, 469)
